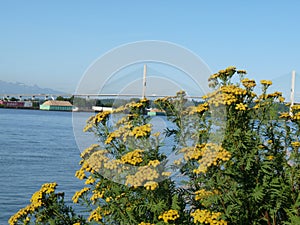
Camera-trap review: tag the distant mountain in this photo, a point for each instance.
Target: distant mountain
(20, 88)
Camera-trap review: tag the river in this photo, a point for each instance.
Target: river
(39, 147)
(35, 147)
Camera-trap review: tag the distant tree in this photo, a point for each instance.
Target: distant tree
(60, 98)
(14, 99)
(98, 103)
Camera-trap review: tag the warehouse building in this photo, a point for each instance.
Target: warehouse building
(53, 105)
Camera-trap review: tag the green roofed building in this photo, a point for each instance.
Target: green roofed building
(54, 105)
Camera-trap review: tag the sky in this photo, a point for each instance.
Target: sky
(52, 43)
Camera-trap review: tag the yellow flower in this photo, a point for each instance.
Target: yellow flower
(296, 107)
(95, 215)
(284, 115)
(171, 215)
(200, 109)
(270, 157)
(248, 83)
(153, 163)
(296, 116)
(167, 174)
(78, 194)
(90, 180)
(211, 154)
(108, 199)
(143, 175)
(281, 99)
(266, 82)
(296, 144)
(151, 185)
(144, 223)
(97, 195)
(141, 131)
(133, 157)
(241, 72)
(241, 107)
(101, 117)
(202, 193)
(89, 150)
(207, 217)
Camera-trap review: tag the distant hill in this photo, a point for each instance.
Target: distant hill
(20, 88)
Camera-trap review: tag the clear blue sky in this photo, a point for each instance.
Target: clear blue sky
(51, 43)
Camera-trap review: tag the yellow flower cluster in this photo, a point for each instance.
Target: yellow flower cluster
(133, 157)
(20, 214)
(151, 185)
(123, 132)
(276, 94)
(296, 112)
(48, 188)
(233, 89)
(191, 153)
(281, 99)
(101, 117)
(202, 193)
(135, 105)
(241, 72)
(131, 106)
(97, 195)
(207, 217)
(112, 164)
(90, 180)
(222, 74)
(167, 174)
(108, 199)
(95, 215)
(89, 150)
(36, 201)
(226, 95)
(206, 155)
(96, 160)
(284, 115)
(80, 174)
(296, 116)
(248, 83)
(266, 82)
(144, 174)
(296, 144)
(153, 163)
(78, 194)
(126, 119)
(144, 223)
(171, 215)
(141, 131)
(241, 107)
(199, 109)
(296, 107)
(37, 197)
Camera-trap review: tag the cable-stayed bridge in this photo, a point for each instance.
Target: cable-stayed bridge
(161, 81)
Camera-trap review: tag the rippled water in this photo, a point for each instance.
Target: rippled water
(38, 147)
(35, 147)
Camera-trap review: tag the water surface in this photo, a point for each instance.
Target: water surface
(35, 147)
